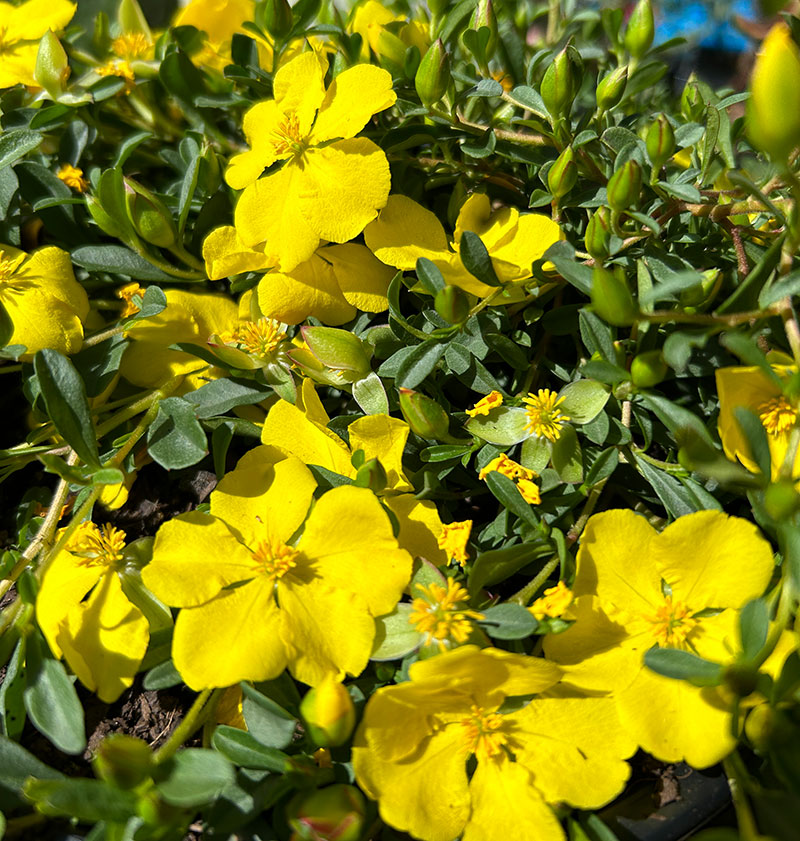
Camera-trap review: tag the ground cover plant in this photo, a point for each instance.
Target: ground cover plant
(401, 421)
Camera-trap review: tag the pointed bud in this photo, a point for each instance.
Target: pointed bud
(625, 186)
(648, 369)
(391, 49)
(611, 298)
(328, 713)
(598, 234)
(561, 82)
(773, 110)
(278, 18)
(52, 65)
(563, 174)
(124, 761)
(452, 304)
(640, 29)
(692, 103)
(611, 88)
(484, 16)
(335, 813)
(424, 415)
(131, 19)
(371, 475)
(338, 349)
(660, 141)
(150, 217)
(433, 75)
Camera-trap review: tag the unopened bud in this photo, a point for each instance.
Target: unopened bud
(335, 813)
(124, 761)
(150, 217)
(692, 103)
(767, 727)
(338, 349)
(371, 475)
(424, 415)
(484, 16)
(648, 369)
(563, 174)
(131, 19)
(329, 714)
(561, 81)
(640, 29)
(452, 304)
(611, 298)
(781, 500)
(598, 234)
(611, 88)
(278, 18)
(660, 142)
(52, 66)
(624, 186)
(433, 75)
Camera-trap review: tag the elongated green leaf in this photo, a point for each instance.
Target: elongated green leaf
(395, 636)
(676, 499)
(176, 439)
(753, 627)
(16, 765)
(241, 748)
(267, 721)
(222, 395)
(683, 665)
(508, 622)
(116, 259)
(429, 275)
(756, 438)
(498, 564)
(196, 776)
(419, 362)
(16, 144)
(87, 800)
(509, 496)
(476, 259)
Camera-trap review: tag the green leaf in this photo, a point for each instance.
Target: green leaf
(116, 259)
(370, 395)
(508, 622)
(86, 800)
(154, 301)
(443, 452)
(65, 398)
(753, 627)
(683, 665)
(242, 749)
(429, 275)
(509, 496)
(267, 721)
(480, 147)
(710, 141)
(597, 336)
(535, 453)
(196, 776)
(176, 439)
(15, 144)
(419, 362)
(476, 259)
(583, 400)
(162, 676)
(220, 442)
(51, 700)
(786, 287)
(220, 396)
(188, 186)
(498, 564)
(567, 456)
(674, 496)
(98, 364)
(16, 765)
(529, 99)
(395, 636)
(756, 437)
(503, 426)
(12, 688)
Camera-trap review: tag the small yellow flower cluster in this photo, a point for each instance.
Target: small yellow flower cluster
(521, 476)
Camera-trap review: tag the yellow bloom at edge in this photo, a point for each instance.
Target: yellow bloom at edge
(323, 191)
(254, 600)
(453, 540)
(388, 35)
(521, 476)
(72, 176)
(405, 231)
(751, 388)
(220, 20)
(21, 28)
(45, 303)
(103, 637)
(441, 614)
(554, 603)
(486, 404)
(414, 743)
(636, 588)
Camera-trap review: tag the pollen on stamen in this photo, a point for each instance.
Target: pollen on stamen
(544, 418)
(441, 614)
(261, 338)
(95, 546)
(672, 623)
(482, 734)
(131, 45)
(777, 415)
(286, 138)
(274, 559)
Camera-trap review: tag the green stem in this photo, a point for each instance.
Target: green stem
(737, 775)
(10, 369)
(580, 524)
(181, 253)
(203, 704)
(91, 341)
(524, 595)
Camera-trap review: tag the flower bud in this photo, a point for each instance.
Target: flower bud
(339, 349)
(122, 760)
(371, 475)
(611, 88)
(52, 66)
(563, 174)
(611, 298)
(335, 813)
(648, 369)
(773, 110)
(210, 175)
(484, 16)
(561, 81)
(424, 415)
(660, 141)
(278, 18)
(151, 219)
(767, 727)
(452, 304)
(328, 712)
(624, 186)
(433, 75)
(598, 234)
(640, 29)
(131, 19)
(692, 103)
(781, 500)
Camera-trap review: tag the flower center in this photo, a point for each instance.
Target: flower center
(9, 266)
(97, 546)
(117, 67)
(545, 419)
(482, 734)
(274, 559)
(671, 623)
(261, 338)
(777, 415)
(130, 45)
(286, 138)
(440, 615)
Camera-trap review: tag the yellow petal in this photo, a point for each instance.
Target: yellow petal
(260, 124)
(308, 289)
(717, 637)
(673, 720)
(104, 639)
(344, 186)
(195, 555)
(420, 527)
(476, 216)
(712, 560)
(349, 543)
(219, 19)
(506, 805)
(534, 234)
(384, 438)
(18, 64)
(53, 267)
(309, 403)
(41, 321)
(234, 637)
(405, 231)
(225, 254)
(363, 279)
(30, 20)
(353, 97)
(299, 87)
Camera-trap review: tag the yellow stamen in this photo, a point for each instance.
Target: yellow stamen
(486, 404)
(440, 616)
(553, 603)
(117, 67)
(672, 623)
(72, 176)
(9, 266)
(274, 559)
(545, 419)
(287, 137)
(482, 734)
(97, 546)
(126, 293)
(777, 415)
(131, 45)
(261, 338)
(453, 540)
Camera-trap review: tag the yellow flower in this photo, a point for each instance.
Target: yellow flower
(370, 20)
(750, 388)
(256, 600)
(72, 176)
(545, 419)
(125, 294)
(453, 540)
(118, 67)
(324, 190)
(553, 603)
(132, 46)
(21, 28)
(415, 741)
(522, 476)
(441, 614)
(220, 20)
(486, 404)
(636, 588)
(405, 231)
(85, 615)
(44, 302)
